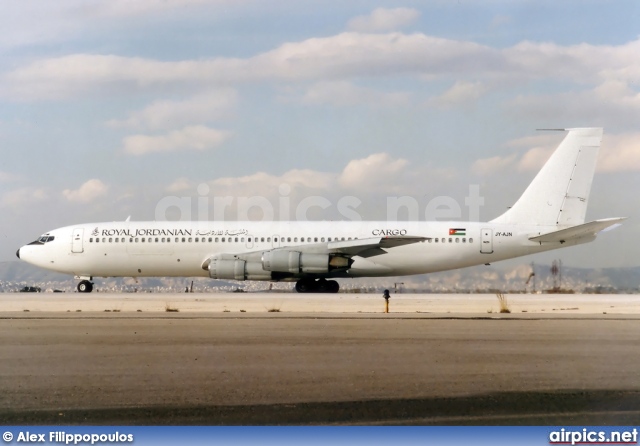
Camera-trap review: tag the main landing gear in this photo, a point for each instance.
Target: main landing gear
(85, 287)
(317, 286)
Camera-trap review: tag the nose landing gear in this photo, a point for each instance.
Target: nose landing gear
(85, 286)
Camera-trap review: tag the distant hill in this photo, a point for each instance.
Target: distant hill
(16, 274)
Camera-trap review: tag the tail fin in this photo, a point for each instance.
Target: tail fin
(559, 194)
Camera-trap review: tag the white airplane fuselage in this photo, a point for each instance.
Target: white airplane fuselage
(179, 249)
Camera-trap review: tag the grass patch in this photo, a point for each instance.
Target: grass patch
(502, 301)
(169, 309)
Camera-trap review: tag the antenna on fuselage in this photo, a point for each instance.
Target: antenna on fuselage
(128, 218)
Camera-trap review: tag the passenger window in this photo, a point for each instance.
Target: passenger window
(457, 240)
(322, 239)
(110, 240)
(197, 239)
(90, 239)
(190, 239)
(142, 239)
(430, 240)
(262, 239)
(242, 239)
(436, 239)
(275, 239)
(97, 240)
(104, 240)
(450, 240)
(268, 239)
(470, 240)
(464, 240)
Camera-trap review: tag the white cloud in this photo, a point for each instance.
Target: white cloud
(8, 177)
(86, 193)
(377, 172)
(126, 8)
(32, 22)
(620, 153)
(488, 166)
(179, 185)
(339, 57)
(204, 107)
(612, 103)
(461, 92)
(344, 93)
(383, 19)
(19, 198)
(262, 181)
(196, 137)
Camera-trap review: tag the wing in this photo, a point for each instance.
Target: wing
(369, 247)
(320, 258)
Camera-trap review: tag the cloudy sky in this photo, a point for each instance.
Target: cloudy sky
(109, 107)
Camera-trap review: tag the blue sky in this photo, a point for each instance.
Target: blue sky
(106, 107)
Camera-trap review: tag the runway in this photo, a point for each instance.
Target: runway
(197, 367)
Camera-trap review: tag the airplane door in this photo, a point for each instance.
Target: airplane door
(486, 241)
(76, 243)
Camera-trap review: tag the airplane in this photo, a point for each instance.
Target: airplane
(550, 214)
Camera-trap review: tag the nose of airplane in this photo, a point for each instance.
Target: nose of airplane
(18, 253)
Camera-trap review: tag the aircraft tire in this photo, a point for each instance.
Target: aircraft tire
(332, 286)
(85, 287)
(305, 286)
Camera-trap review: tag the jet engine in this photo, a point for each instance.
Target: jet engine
(236, 270)
(297, 262)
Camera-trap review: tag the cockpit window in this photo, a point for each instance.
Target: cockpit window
(43, 239)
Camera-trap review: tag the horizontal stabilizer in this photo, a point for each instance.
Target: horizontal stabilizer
(577, 232)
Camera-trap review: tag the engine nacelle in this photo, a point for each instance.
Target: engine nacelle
(235, 269)
(296, 262)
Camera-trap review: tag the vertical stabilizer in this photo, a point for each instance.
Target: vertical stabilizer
(559, 194)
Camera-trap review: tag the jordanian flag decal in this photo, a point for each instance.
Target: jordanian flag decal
(457, 231)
